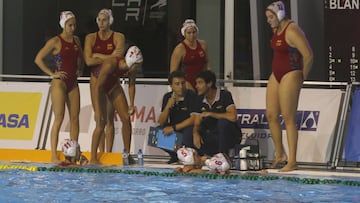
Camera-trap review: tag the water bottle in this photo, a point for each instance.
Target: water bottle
(140, 158)
(236, 163)
(125, 157)
(243, 159)
(243, 153)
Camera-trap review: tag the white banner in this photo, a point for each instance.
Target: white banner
(21, 113)
(86, 118)
(148, 100)
(316, 119)
(317, 116)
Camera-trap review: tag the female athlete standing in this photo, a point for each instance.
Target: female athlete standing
(291, 64)
(67, 55)
(190, 55)
(100, 46)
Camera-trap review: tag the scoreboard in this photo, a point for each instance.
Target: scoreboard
(342, 40)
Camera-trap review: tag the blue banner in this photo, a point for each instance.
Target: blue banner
(352, 139)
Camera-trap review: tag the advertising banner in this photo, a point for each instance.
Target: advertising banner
(86, 121)
(316, 120)
(148, 100)
(21, 113)
(352, 139)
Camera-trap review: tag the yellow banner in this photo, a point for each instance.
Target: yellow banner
(18, 114)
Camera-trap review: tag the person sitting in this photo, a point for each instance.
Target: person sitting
(175, 111)
(190, 159)
(215, 129)
(72, 153)
(219, 163)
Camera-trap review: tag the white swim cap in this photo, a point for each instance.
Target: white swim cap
(64, 16)
(187, 24)
(108, 13)
(218, 162)
(133, 55)
(186, 155)
(69, 147)
(278, 8)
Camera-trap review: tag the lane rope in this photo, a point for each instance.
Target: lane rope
(253, 177)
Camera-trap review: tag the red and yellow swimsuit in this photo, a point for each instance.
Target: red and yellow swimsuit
(67, 60)
(285, 58)
(194, 62)
(105, 47)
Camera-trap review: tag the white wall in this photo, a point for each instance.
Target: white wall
(208, 20)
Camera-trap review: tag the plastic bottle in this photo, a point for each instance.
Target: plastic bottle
(236, 163)
(242, 153)
(125, 157)
(140, 158)
(243, 159)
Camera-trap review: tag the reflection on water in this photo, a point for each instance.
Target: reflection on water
(26, 186)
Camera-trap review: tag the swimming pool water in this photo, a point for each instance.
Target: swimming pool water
(46, 186)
